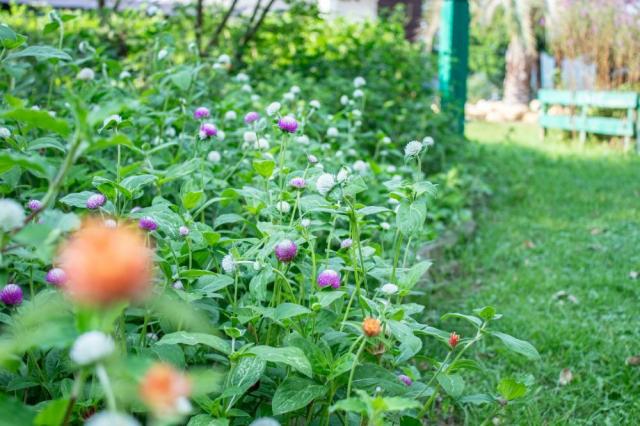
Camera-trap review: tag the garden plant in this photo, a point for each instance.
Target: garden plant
(186, 241)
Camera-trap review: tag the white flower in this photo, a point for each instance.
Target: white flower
(389, 289)
(265, 421)
(246, 88)
(339, 153)
(332, 132)
(356, 113)
(413, 148)
(312, 159)
(305, 222)
(358, 123)
(303, 139)
(214, 157)
(262, 143)
(152, 10)
(360, 166)
(163, 53)
(91, 347)
(35, 108)
(170, 132)
(110, 223)
(230, 115)
(273, 108)
(283, 207)
(386, 140)
(359, 81)
(221, 135)
(228, 264)
(391, 168)
(344, 99)
(217, 66)
(250, 137)
(11, 214)
(86, 74)
(385, 226)
(428, 141)
(242, 77)
(295, 89)
(183, 406)
(325, 183)
(115, 118)
(111, 418)
(358, 93)
(124, 75)
(224, 59)
(255, 98)
(5, 133)
(289, 96)
(315, 104)
(342, 176)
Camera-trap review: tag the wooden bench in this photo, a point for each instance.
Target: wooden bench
(578, 120)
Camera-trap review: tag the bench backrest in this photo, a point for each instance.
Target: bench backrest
(598, 99)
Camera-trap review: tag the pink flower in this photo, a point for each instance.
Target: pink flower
(11, 294)
(148, 223)
(288, 124)
(329, 277)
(201, 112)
(453, 340)
(251, 117)
(96, 201)
(286, 250)
(208, 130)
(405, 379)
(34, 205)
(56, 276)
(298, 182)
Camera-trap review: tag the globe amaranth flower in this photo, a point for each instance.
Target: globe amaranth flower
(214, 156)
(183, 231)
(298, 182)
(315, 104)
(148, 223)
(91, 347)
(230, 115)
(371, 327)
(454, 339)
(111, 418)
(11, 214)
(295, 89)
(405, 379)
(273, 108)
(110, 223)
(106, 265)
(11, 294)
(165, 390)
(385, 225)
(207, 130)
(428, 141)
(325, 183)
(312, 159)
(261, 143)
(5, 133)
(251, 117)
(342, 175)
(85, 74)
(265, 421)
(288, 124)
(389, 289)
(124, 75)
(344, 99)
(360, 166)
(413, 148)
(332, 132)
(250, 137)
(242, 77)
(283, 207)
(221, 135)
(34, 205)
(305, 222)
(286, 250)
(327, 278)
(56, 276)
(178, 285)
(228, 264)
(346, 243)
(289, 96)
(201, 112)
(303, 139)
(359, 81)
(96, 201)
(358, 93)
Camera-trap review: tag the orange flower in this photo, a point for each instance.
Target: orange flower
(371, 327)
(165, 390)
(105, 265)
(453, 340)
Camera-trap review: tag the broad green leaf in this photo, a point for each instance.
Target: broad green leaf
(516, 345)
(224, 219)
(410, 217)
(246, 373)
(135, 183)
(290, 356)
(511, 389)
(52, 413)
(34, 164)
(264, 167)
(78, 199)
(295, 393)
(192, 199)
(453, 384)
(9, 39)
(477, 399)
(192, 339)
(469, 318)
(369, 210)
(411, 277)
(39, 119)
(396, 403)
(207, 420)
(355, 185)
(14, 412)
(40, 52)
(290, 310)
(353, 405)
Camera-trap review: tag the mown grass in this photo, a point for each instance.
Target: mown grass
(561, 218)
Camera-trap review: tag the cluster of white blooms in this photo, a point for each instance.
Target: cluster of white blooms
(283, 207)
(332, 132)
(412, 149)
(214, 156)
(273, 108)
(91, 347)
(230, 115)
(325, 183)
(314, 104)
(228, 264)
(11, 214)
(389, 289)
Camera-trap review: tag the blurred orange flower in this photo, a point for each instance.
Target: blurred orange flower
(371, 327)
(105, 264)
(165, 390)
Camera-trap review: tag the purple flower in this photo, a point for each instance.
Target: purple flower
(312, 159)
(56, 276)
(405, 379)
(298, 182)
(96, 201)
(208, 130)
(34, 205)
(11, 294)
(286, 250)
(251, 117)
(136, 209)
(329, 277)
(346, 243)
(201, 112)
(178, 285)
(183, 230)
(148, 223)
(288, 124)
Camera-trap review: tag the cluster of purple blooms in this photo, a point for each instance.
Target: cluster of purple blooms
(148, 223)
(96, 201)
(11, 294)
(288, 124)
(329, 278)
(286, 251)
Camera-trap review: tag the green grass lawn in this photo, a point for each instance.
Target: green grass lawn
(561, 218)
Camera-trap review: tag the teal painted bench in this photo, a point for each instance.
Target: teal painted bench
(580, 121)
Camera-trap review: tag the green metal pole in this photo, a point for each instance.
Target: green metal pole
(453, 58)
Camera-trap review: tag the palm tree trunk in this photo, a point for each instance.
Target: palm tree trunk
(517, 81)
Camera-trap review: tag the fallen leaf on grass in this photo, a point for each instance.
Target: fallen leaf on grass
(566, 376)
(633, 361)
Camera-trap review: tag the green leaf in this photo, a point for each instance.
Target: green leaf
(290, 310)
(264, 167)
(355, 185)
(39, 119)
(469, 318)
(295, 393)
(192, 199)
(410, 278)
(395, 403)
(291, 356)
(369, 210)
(487, 313)
(410, 217)
(52, 414)
(9, 39)
(453, 384)
(40, 52)
(477, 399)
(192, 339)
(207, 420)
(14, 412)
(516, 345)
(246, 373)
(34, 164)
(135, 183)
(353, 405)
(78, 199)
(511, 389)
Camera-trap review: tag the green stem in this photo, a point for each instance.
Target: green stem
(355, 363)
(106, 387)
(55, 186)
